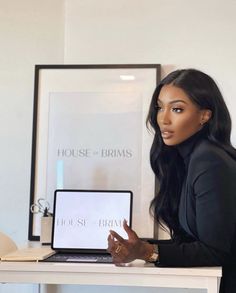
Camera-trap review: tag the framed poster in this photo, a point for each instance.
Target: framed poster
(89, 132)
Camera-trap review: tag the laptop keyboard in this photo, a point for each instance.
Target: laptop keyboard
(84, 258)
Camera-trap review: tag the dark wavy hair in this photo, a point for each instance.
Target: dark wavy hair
(165, 160)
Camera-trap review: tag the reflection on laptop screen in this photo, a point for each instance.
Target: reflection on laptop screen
(82, 218)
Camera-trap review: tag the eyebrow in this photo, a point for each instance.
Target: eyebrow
(173, 102)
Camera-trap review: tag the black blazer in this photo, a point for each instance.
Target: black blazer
(207, 213)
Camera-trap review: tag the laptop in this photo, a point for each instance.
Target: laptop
(82, 220)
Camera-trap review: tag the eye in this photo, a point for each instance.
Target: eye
(177, 110)
(158, 108)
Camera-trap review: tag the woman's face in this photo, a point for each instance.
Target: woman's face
(178, 117)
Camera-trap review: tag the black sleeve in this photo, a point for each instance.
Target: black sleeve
(214, 188)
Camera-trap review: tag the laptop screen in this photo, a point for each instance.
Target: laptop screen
(83, 218)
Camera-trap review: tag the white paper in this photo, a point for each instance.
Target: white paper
(98, 139)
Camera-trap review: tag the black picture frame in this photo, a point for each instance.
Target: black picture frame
(44, 74)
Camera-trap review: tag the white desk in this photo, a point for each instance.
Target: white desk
(136, 274)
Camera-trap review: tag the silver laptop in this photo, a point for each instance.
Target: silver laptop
(82, 220)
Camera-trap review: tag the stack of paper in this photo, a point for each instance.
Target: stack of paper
(28, 254)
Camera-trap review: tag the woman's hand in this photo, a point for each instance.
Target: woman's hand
(123, 250)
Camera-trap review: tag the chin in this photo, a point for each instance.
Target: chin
(170, 143)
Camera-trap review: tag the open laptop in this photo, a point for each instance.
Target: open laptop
(82, 220)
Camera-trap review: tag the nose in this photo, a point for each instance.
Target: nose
(163, 117)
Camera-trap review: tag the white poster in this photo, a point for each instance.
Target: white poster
(94, 142)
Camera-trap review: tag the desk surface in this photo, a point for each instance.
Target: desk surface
(135, 274)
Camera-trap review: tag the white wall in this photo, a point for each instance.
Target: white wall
(31, 32)
(176, 34)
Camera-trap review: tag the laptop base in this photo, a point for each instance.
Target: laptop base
(79, 258)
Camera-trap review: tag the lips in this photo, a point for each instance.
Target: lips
(166, 134)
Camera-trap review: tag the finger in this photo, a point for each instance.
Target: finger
(131, 234)
(112, 243)
(110, 238)
(118, 248)
(126, 226)
(117, 236)
(117, 258)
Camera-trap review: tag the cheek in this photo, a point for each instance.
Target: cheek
(189, 125)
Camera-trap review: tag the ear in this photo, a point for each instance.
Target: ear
(206, 116)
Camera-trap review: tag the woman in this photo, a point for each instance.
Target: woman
(195, 164)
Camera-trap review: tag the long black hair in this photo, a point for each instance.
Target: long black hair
(165, 160)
